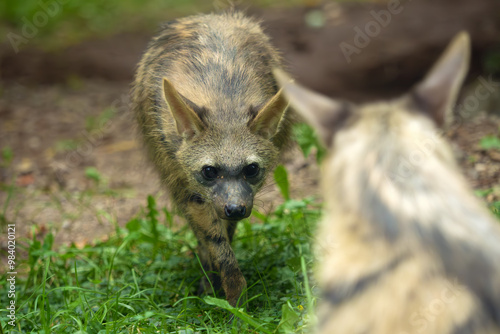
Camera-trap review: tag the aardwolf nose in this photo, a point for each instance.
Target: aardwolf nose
(235, 211)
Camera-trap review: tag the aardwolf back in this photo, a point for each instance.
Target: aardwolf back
(405, 247)
(214, 124)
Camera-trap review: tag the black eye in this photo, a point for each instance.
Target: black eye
(251, 170)
(209, 172)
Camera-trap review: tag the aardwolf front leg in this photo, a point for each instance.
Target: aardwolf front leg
(216, 253)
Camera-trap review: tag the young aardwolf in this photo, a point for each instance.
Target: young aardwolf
(215, 124)
(405, 245)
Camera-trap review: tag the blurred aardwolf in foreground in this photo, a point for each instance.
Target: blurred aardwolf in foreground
(405, 245)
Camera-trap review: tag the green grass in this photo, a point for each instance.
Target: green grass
(494, 206)
(144, 278)
(308, 141)
(491, 142)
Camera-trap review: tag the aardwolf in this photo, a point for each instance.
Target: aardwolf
(405, 246)
(214, 124)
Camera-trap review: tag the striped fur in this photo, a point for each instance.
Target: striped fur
(205, 96)
(405, 246)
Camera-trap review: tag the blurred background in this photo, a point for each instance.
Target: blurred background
(70, 162)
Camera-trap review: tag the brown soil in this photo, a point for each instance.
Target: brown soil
(47, 98)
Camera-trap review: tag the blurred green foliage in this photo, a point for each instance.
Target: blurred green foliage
(7, 156)
(492, 61)
(59, 22)
(56, 23)
(490, 142)
(308, 141)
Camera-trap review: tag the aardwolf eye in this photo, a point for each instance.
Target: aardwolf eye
(251, 170)
(209, 172)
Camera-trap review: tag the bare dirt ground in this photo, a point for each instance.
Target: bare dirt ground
(52, 107)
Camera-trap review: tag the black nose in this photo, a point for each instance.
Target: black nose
(235, 211)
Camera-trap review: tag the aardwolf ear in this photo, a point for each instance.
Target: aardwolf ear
(437, 93)
(268, 118)
(323, 113)
(187, 121)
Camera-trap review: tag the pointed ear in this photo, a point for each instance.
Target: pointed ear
(268, 118)
(438, 92)
(323, 113)
(187, 121)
